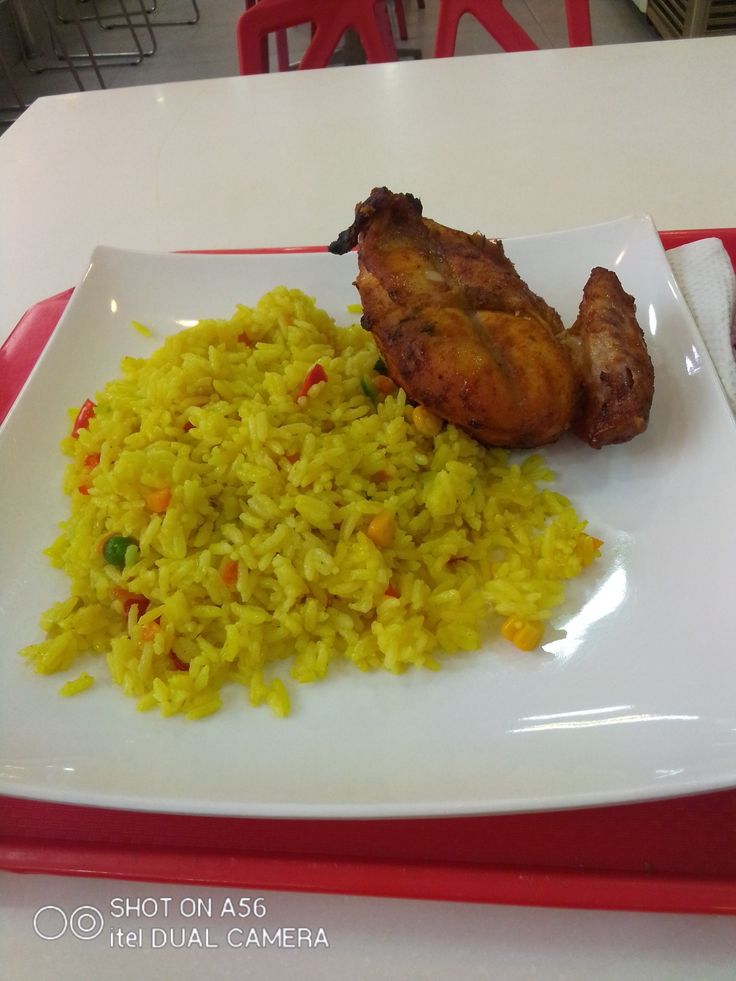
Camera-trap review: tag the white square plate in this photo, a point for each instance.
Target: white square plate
(637, 701)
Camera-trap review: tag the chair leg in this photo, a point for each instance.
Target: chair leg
(446, 34)
(371, 24)
(58, 43)
(579, 33)
(282, 51)
(193, 19)
(323, 44)
(491, 15)
(401, 20)
(282, 45)
(21, 104)
(378, 27)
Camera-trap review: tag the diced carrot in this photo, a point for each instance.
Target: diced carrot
(91, 461)
(149, 630)
(229, 572)
(384, 384)
(158, 500)
(83, 489)
(525, 634)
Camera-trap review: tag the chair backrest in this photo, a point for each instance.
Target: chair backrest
(330, 19)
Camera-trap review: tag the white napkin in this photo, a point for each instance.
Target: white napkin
(706, 277)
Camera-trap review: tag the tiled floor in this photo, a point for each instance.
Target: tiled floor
(207, 49)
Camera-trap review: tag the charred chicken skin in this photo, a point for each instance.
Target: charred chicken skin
(463, 334)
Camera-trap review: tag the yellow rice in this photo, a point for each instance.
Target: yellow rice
(284, 490)
(74, 687)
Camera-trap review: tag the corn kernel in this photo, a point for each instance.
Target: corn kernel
(525, 634)
(588, 547)
(426, 422)
(382, 529)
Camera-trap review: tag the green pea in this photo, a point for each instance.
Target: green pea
(369, 388)
(115, 548)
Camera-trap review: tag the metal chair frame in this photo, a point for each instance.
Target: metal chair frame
(196, 16)
(127, 15)
(22, 105)
(59, 47)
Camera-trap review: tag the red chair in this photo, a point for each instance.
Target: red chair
(282, 43)
(330, 20)
(502, 27)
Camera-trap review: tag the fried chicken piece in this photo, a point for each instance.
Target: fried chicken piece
(612, 361)
(458, 328)
(463, 334)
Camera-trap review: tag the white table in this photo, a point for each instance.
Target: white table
(509, 144)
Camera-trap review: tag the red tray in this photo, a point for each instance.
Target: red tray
(676, 855)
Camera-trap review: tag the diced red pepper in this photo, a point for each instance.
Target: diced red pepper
(83, 417)
(91, 461)
(177, 663)
(83, 489)
(244, 339)
(140, 601)
(187, 426)
(314, 375)
(130, 599)
(391, 591)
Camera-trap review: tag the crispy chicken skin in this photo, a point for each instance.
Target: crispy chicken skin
(611, 358)
(463, 334)
(458, 328)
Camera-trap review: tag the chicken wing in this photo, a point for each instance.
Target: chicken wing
(462, 333)
(458, 328)
(612, 361)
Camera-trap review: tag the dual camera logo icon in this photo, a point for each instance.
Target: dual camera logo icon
(51, 923)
